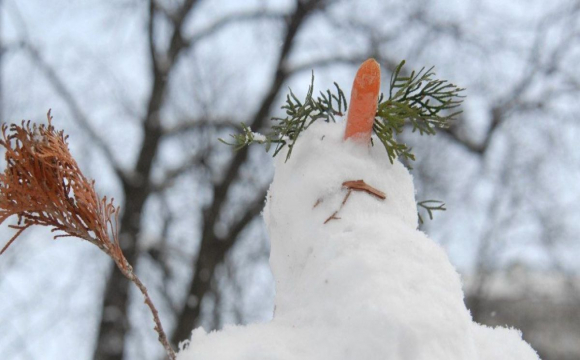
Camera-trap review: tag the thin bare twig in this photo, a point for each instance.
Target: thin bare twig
(360, 185)
(235, 18)
(333, 216)
(158, 327)
(353, 185)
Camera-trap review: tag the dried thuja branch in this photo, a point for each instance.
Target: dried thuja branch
(43, 185)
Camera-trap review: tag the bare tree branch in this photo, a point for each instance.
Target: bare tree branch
(81, 118)
(151, 33)
(187, 126)
(326, 62)
(233, 18)
(169, 178)
(212, 251)
(136, 188)
(252, 210)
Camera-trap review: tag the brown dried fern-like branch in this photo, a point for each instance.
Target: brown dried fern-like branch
(43, 185)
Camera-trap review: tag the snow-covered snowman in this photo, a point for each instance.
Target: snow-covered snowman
(355, 279)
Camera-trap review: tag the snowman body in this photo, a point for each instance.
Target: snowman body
(365, 284)
(369, 270)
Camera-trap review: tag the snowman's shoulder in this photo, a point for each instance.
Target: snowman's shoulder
(501, 343)
(234, 342)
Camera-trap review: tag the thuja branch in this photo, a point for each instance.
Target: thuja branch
(419, 100)
(430, 206)
(300, 114)
(43, 185)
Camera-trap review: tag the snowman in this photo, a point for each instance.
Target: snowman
(355, 279)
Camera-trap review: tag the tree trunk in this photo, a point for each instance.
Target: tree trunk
(213, 250)
(114, 322)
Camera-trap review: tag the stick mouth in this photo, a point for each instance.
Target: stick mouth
(363, 102)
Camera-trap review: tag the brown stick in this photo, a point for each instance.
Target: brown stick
(333, 216)
(20, 231)
(360, 185)
(317, 203)
(357, 185)
(158, 327)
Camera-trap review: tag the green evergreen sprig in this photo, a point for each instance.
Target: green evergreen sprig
(417, 100)
(430, 206)
(299, 116)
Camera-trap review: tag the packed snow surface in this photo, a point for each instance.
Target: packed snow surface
(366, 285)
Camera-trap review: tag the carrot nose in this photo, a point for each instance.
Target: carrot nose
(363, 102)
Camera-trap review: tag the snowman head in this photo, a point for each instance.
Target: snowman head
(308, 189)
(307, 201)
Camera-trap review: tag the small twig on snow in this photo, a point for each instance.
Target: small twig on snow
(354, 185)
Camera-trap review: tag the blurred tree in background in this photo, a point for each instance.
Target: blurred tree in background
(145, 88)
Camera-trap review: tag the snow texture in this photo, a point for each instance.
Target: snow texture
(368, 285)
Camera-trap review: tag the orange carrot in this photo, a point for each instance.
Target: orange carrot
(363, 102)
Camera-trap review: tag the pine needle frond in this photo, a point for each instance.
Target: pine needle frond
(430, 206)
(419, 100)
(299, 116)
